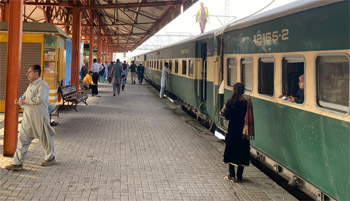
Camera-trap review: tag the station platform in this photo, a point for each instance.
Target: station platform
(134, 146)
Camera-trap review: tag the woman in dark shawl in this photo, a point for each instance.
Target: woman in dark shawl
(237, 147)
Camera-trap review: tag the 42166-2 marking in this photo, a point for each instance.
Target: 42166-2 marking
(268, 37)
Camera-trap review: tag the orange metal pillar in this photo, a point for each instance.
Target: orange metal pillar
(91, 45)
(110, 53)
(76, 28)
(107, 52)
(4, 12)
(14, 50)
(99, 48)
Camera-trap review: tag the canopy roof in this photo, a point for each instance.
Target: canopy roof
(123, 24)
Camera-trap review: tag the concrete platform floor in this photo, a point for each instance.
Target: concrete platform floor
(135, 146)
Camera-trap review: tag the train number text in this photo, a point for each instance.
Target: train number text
(269, 37)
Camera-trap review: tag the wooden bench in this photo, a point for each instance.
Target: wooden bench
(71, 98)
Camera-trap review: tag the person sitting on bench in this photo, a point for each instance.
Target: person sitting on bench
(92, 86)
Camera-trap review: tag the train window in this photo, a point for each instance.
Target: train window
(161, 65)
(157, 64)
(170, 65)
(190, 67)
(266, 76)
(292, 69)
(247, 73)
(332, 82)
(176, 66)
(184, 67)
(231, 69)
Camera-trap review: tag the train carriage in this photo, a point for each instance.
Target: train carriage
(306, 143)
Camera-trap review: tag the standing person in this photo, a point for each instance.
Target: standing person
(164, 79)
(85, 69)
(116, 75)
(140, 72)
(237, 147)
(36, 120)
(102, 73)
(133, 72)
(95, 68)
(124, 74)
(106, 70)
(92, 86)
(202, 16)
(110, 66)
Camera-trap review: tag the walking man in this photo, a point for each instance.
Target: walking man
(140, 72)
(35, 122)
(116, 75)
(133, 72)
(164, 79)
(124, 74)
(95, 68)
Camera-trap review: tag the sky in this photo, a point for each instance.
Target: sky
(236, 9)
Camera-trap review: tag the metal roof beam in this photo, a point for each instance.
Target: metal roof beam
(133, 5)
(127, 34)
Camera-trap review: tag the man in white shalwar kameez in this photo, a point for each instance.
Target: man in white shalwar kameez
(164, 79)
(36, 120)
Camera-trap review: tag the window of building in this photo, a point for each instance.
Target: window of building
(190, 67)
(247, 73)
(292, 69)
(176, 66)
(332, 82)
(184, 67)
(266, 76)
(231, 69)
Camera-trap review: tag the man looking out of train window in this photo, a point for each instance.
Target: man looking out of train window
(299, 96)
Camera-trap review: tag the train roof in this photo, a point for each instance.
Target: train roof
(206, 35)
(285, 10)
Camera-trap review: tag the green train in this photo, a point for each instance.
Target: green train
(308, 143)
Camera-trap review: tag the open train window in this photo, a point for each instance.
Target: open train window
(231, 69)
(266, 76)
(292, 68)
(176, 66)
(170, 65)
(184, 67)
(190, 67)
(332, 82)
(247, 73)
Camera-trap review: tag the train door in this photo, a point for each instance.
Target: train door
(222, 123)
(204, 71)
(218, 86)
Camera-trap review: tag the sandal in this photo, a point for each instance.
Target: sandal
(228, 178)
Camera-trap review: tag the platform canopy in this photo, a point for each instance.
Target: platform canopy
(124, 24)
